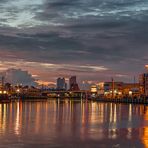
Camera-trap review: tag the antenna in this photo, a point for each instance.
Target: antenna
(134, 81)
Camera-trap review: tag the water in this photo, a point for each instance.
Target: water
(73, 124)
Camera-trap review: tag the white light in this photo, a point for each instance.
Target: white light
(106, 93)
(130, 92)
(18, 90)
(120, 93)
(94, 89)
(5, 92)
(115, 91)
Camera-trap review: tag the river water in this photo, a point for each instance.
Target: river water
(73, 124)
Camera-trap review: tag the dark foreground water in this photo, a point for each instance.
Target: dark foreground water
(73, 124)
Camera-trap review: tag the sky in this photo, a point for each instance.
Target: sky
(93, 39)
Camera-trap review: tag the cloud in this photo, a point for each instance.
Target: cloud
(92, 39)
(51, 67)
(18, 76)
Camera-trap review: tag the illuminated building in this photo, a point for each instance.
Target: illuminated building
(73, 84)
(113, 89)
(117, 86)
(72, 80)
(131, 89)
(61, 84)
(100, 88)
(143, 80)
(118, 89)
(94, 90)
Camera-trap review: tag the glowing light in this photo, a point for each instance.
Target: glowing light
(106, 93)
(120, 93)
(115, 91)
(146, 66)
(18, 90)
(93, 89)
(130, 92)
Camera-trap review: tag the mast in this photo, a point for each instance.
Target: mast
(113, 88)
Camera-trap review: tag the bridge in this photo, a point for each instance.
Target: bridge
(83, 94)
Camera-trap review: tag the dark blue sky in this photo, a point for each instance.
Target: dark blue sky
(94, 39)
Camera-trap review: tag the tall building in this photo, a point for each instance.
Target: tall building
(61, 84)
(72, 80)
(73, 84)
(143, 80)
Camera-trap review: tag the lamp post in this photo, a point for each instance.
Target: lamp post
(18, 92)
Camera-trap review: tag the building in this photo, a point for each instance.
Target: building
(61, 84)
(113, 89)
(73, 85)
(143, 81)
(72, 80)
(100, 86)
(131, 89)
(94, 90)
(118, 89)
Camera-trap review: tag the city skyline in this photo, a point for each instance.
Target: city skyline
(94, 40)
(73, 73)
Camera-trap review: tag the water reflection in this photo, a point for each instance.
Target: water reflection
(144, 131)
(73, 123)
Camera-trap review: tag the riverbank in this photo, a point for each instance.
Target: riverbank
(143, 101)
(122, 100)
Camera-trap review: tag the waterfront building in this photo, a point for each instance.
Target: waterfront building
(72, 80)
(100, 86)
(73, 85)
(143, 80)
(113, 89)
(131, 89)
(118, 89)
(61, 84)
(30, 91)
(94, 90)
